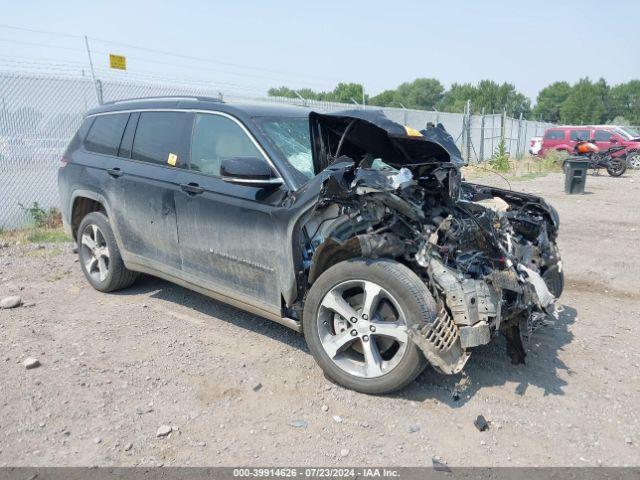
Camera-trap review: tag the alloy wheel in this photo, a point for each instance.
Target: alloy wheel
(95, 252)
(362, 328)
(634, 160)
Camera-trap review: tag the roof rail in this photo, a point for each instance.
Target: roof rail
(165, 97)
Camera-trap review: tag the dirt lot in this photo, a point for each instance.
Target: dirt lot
(116, 367)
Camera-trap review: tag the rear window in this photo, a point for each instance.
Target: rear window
(602, 136)
(160, 138)
(579, 135)
(554, 135)
(106, 133)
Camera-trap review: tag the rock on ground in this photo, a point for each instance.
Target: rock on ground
(11, 302)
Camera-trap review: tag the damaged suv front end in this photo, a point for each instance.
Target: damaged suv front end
(487, 256)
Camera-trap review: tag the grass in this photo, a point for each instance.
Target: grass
(529, 168)
(34, 235)
(45, 226)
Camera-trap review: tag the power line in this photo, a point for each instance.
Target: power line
(141, 59)
(156, 51)
(40, 31)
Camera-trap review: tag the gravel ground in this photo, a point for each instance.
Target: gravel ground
(117, 370)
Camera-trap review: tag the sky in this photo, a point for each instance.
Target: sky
(249, 46)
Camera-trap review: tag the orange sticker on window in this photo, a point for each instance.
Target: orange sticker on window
(172, 159)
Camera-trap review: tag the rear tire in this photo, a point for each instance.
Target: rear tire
(616, 167)
(349, 365)
(99, 255)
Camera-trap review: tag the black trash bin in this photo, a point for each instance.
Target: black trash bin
(575, 175)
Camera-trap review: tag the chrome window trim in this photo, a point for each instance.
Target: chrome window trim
(210, 112)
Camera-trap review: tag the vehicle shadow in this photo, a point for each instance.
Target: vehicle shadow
(169, 292)
(490, 366)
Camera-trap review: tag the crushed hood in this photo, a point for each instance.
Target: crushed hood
(357, 133)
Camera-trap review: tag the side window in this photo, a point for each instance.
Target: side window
(603, 136)
(215, 138)
(574, 135)
(161, 137)
(106, 133)
(554, 135)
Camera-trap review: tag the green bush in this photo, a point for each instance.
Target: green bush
(42, 218)
(500, 158)
(552, 160)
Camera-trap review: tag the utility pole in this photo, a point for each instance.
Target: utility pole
(93, 74)
(364, 102)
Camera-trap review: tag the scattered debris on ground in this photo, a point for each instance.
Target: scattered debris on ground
(481, 423)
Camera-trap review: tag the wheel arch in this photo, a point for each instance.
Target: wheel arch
(84, 202)
(364, 245)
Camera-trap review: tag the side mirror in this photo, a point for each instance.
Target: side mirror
(250, 171)
(613, 139)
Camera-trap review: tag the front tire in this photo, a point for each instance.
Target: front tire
(99, 255)
(356, 320)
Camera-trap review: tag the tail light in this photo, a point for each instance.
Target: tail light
(63, 162)
(533, 143)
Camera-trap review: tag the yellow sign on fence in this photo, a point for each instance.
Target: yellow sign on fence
(118, 61)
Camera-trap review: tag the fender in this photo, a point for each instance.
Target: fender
(80, 192)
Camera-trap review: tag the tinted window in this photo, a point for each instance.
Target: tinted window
(106, 133)
(554, 135)
(160, 138)
(579, 134)
(215, 138)
(78, 138)
(603, 136)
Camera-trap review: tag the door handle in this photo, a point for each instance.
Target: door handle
(115, 172)
(191, 188)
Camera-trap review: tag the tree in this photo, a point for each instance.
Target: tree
(586, 103)
(422, 93)
(346, 93)
(487, 95)
(282, 92)
(625, 102)
(383, 99)
(494, 97)
(456, 98)
(549, 101)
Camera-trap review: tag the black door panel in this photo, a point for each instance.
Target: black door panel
(148, 226)
(227, 235)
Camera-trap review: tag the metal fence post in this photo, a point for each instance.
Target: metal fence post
(503, 127)
(468, 131)
(93, 74)
(481, 157)
(518, 144)
(493, 131)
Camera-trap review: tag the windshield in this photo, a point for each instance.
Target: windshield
(630, 132)
(291, 136)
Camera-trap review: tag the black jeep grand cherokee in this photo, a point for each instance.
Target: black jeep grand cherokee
(349, 227)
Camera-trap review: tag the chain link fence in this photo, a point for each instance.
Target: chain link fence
(39, 113)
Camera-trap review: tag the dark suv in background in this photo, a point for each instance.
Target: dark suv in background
(347, 226)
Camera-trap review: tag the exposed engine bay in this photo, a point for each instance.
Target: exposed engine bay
(487, 255)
